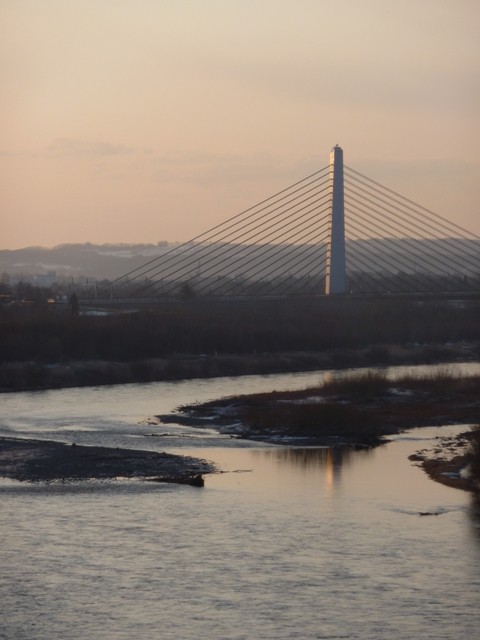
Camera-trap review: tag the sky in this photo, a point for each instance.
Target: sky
(152, 120)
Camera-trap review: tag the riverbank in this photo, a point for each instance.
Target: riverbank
(47, 461)
(357, 410)
(453, 461)
(33, 376)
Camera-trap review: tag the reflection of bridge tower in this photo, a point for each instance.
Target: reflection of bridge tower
(335, 281)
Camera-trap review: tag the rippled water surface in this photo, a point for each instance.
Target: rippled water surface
(288, 543)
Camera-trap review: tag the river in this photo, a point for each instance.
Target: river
(288, 543)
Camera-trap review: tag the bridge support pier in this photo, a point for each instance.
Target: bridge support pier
(335, 279)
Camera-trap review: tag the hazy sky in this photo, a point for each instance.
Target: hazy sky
(149, 120)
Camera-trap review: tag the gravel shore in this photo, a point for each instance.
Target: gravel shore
(46, 461)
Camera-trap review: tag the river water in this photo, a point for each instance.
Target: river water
(288, 543)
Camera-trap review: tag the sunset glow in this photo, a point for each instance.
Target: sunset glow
(142, 122)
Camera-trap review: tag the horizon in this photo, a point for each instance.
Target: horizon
(168, 243)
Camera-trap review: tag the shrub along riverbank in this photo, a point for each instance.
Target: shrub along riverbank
(31, 375)
(44, 346)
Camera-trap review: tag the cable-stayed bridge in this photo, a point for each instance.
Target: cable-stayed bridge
(336, 231)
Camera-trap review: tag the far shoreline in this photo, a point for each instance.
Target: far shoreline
(41, 376)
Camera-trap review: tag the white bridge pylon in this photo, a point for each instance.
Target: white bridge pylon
(335, 278)
(335, 231)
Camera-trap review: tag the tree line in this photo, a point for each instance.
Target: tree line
(50, 333)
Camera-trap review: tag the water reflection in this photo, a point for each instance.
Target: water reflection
(474, 513)
(328, 461)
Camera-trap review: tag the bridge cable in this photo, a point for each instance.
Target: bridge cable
(432, 213)
(279, 248)
(233, 250)
(298, 251)
(209, 234)
(420, 220)
(433, 248)
(245, 236)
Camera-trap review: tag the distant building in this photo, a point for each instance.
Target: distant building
(45, 279)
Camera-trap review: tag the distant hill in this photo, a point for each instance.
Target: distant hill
(95, 261)
(109, 261)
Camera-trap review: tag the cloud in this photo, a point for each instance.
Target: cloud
(418, 169)
(205, 169)
(77, 148)
(81, 148)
